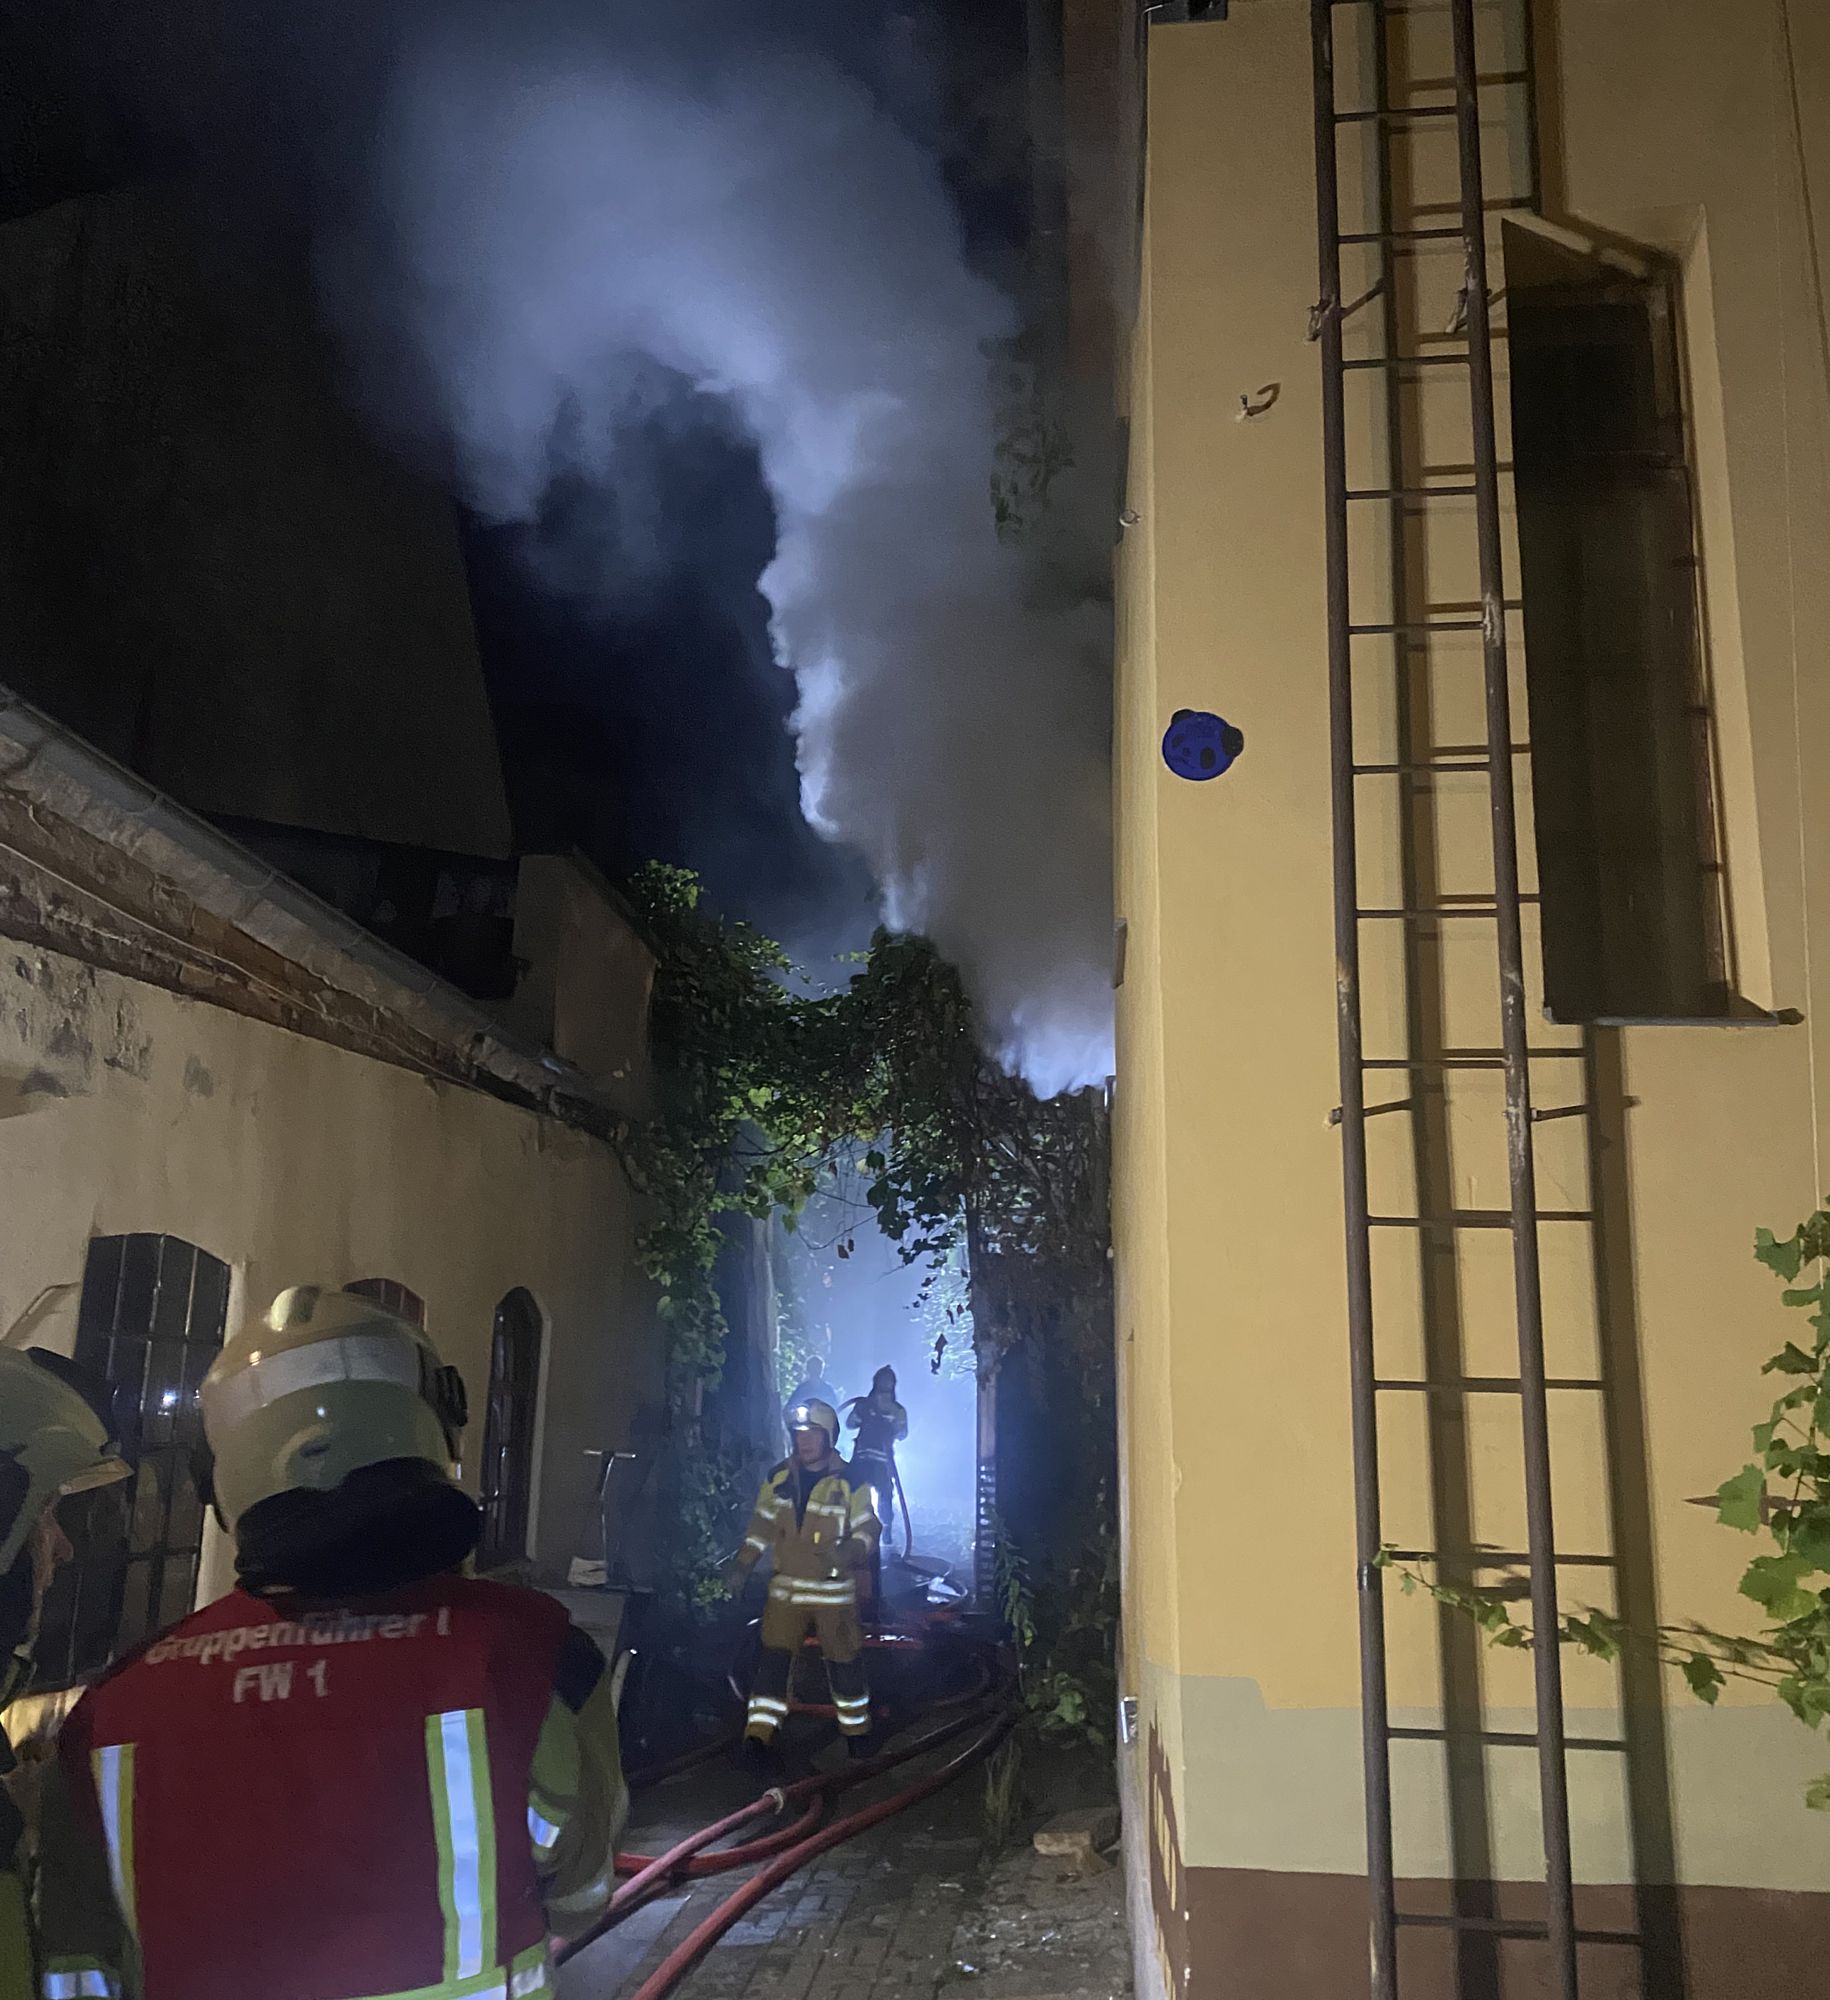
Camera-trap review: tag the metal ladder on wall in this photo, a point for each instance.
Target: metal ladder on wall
(1403, 499)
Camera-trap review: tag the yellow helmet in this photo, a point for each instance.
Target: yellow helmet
(58, 1435)
(813, 1415)
(333, 1427)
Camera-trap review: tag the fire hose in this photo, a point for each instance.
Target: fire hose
(785, 1850)
(692, 1948)
(908, 1529)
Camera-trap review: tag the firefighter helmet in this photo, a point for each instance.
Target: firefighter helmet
(58, 1435)
(333, 1430)
(816, 1416)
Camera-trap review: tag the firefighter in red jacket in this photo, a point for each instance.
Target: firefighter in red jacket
(362, 1773)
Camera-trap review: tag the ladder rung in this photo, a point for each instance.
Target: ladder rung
(1477, 1218)
(1414, 625)
(1410, 492)
(1502, 1558)
(1503, 1739)
(1512, 1927)
(1407, 913)
(1505, 1927)
(1408, 361)
(1466, 1061)
(1425, 770)
(1394, 113)
(1403, 236)
(1480, 1385)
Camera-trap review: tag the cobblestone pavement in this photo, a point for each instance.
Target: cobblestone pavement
(913, 1910)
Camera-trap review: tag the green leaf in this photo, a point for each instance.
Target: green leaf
(1490, 1613)
(1807, 1698)
(1596, 1635)
(1817, 1794)
(1738, 1500)
(1803, 1295)
(1773, 1583)
(1809, 1537)
(1785, 1258)
(1704, 1676)
(1791, 1359)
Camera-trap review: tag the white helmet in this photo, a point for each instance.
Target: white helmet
(816, 1416)
(333, 1426)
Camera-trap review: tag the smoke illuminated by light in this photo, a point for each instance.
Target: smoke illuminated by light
(556, 219)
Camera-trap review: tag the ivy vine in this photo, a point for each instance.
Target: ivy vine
(878, 1097)
(1782, 1495)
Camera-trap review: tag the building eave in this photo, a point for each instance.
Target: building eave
(51, 778)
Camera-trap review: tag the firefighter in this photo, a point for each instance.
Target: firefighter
(821, 1532)
(56, 1438)
(882, 1424)
(363, 1771)
(814, 1388)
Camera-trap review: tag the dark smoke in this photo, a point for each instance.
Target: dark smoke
(547, 232)
(566, 228)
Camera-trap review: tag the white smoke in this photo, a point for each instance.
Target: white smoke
(553, 223)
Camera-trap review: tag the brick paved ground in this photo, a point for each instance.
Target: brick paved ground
(914, 1910)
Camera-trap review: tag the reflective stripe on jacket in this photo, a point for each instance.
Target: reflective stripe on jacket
(817, 1548)
(343, 1805)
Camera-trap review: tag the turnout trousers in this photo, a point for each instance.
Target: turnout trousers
(786, 1622)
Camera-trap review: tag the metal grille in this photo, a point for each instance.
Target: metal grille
(508, 1430)
(152, 1319)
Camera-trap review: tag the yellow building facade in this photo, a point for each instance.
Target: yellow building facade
(1657, 187)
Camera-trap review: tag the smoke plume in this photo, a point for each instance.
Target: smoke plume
(561, 224)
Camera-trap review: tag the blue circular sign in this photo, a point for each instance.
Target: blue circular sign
(1199, 746)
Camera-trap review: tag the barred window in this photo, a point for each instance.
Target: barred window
(152, 1318)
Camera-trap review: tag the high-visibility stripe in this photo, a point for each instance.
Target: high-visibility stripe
(531, 1973)
(463, 1811)
(524, 1983)
(69, 1981)
(542, 1831)
(755, 1542)
(113, 1769)
(586, 1898)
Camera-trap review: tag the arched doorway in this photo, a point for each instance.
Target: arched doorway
(508, 1430)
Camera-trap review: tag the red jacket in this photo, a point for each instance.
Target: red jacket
(327, 1805)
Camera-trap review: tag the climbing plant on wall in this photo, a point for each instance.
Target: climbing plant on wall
(882, 1092)
(1781, 1496)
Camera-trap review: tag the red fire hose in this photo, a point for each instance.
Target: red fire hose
(692, 1948)
(685, 1857)
(655, 1867)
(790, 1847)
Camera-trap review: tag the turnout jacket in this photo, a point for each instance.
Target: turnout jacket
(820, 1528)
(403, 1795)
(880, 1428)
